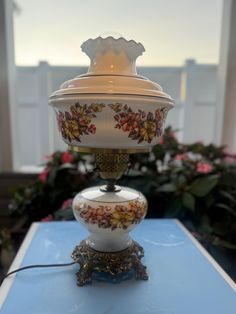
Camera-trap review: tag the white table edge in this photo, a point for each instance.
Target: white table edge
(207, 255)
(7, 283)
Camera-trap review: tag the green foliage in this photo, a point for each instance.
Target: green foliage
(203, 186)
(188, 200)
(5, 239)
(193, 183)
(59, 181)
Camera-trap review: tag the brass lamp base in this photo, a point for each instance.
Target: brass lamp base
(113, 263)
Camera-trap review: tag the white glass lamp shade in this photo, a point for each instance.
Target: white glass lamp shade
(111, 107)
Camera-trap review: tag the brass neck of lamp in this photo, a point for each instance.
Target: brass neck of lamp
(111, 167)
(111, 163)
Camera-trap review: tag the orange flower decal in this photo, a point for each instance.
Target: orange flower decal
(140, 125)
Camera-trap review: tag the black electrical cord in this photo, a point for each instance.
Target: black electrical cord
(36, 266)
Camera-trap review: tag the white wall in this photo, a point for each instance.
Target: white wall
(193, 87)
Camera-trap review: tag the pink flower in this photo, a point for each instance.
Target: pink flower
(228, 157)
(161, 140)
(92, 129)
(203, 167)
(47, 218)
(66, 158)
(181, 157)
(172, 135)
(67, 203)
(44, 175)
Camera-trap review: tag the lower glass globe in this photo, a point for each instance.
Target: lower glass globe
(109, 216)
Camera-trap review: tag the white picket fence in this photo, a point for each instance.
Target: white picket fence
(193, 87)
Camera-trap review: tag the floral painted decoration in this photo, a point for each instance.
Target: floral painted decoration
(78, 121)
(119, 216)
(140, 125)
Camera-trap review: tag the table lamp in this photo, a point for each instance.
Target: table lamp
(110, 111)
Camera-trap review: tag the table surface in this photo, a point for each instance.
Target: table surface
(183, 276)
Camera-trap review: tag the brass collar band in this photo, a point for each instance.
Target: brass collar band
(94, 150)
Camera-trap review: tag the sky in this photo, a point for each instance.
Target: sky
(170, 30)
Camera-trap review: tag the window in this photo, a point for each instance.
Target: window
(181, 38)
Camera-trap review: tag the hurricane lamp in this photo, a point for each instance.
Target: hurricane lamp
(110, 111)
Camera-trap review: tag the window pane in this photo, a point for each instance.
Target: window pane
(182, 51)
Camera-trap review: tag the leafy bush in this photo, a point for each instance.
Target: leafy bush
(59, 181)
(195, 183)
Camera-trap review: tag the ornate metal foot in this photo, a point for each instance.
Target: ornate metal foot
(140, 269)
(84, 274)
(113, 263)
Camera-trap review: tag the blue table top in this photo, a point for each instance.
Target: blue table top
(182, 280)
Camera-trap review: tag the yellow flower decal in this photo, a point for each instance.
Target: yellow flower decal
(77, 122)
(148, 131)
(118, 217)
